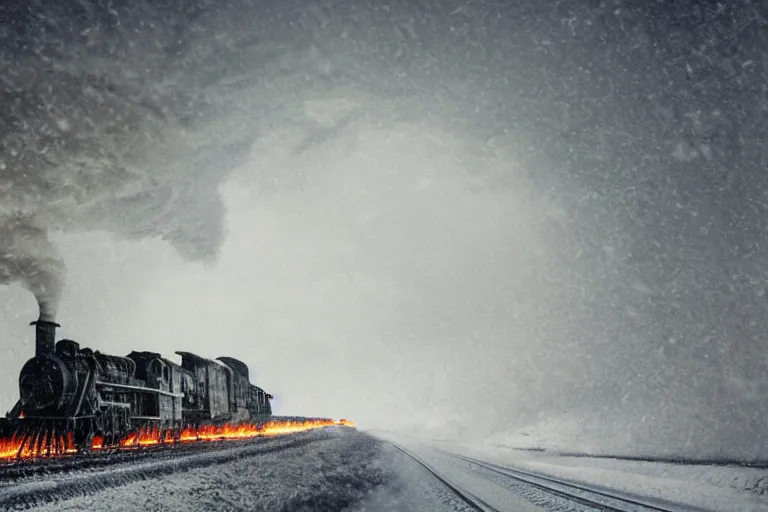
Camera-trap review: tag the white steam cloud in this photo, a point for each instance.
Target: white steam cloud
(29, 257)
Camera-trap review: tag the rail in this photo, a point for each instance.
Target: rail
(592, 496)
(467, 497)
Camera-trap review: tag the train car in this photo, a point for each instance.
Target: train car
(85, 393)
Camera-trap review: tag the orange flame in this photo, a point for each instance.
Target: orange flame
(97, 443)
(41, 444)
(46, 444)
(154, 435)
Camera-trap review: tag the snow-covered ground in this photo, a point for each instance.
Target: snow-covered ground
(545, 450)
(707, 487)
(332, 469)
(329, 469)
(342, 469)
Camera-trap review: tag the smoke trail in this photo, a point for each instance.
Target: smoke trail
(28, 257)
(126, 119)
(106, 135)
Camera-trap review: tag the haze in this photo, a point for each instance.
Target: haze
(462, 219)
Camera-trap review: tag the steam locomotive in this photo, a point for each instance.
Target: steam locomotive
(66, 388)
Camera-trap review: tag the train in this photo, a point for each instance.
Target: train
(87, 394)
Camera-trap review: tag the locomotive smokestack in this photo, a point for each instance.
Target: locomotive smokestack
(45, 336)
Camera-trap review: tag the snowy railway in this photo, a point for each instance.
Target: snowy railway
(543, 492)
(22, 469)
(589, 496)
(24, 486)
(342, 469)
(470, 499)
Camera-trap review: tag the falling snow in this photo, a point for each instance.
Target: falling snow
(464, 219)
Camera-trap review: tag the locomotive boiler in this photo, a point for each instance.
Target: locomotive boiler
(68, 389)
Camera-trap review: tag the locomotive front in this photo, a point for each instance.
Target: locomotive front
(47, 383)
(54, 387)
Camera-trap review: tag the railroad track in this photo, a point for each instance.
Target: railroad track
(578, 495)
(15, 469)
(590, 496)
(49, 481)
(26, 468)
(470, 499)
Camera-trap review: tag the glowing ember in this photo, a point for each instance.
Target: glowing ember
(97, 443)
(46, 444)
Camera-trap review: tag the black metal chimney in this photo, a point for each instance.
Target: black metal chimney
(45, 337)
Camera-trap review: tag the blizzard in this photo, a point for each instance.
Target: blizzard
(532, 229)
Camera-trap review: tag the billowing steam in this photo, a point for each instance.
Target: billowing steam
(126, 119)
(28, 257)
(106, 125)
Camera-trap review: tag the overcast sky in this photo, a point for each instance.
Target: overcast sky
(467, 217)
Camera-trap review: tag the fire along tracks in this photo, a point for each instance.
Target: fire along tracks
(488, 487)
(36, 482)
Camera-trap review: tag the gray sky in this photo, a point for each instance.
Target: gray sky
(470, 217)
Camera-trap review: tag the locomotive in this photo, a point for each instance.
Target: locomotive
(84, 393)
